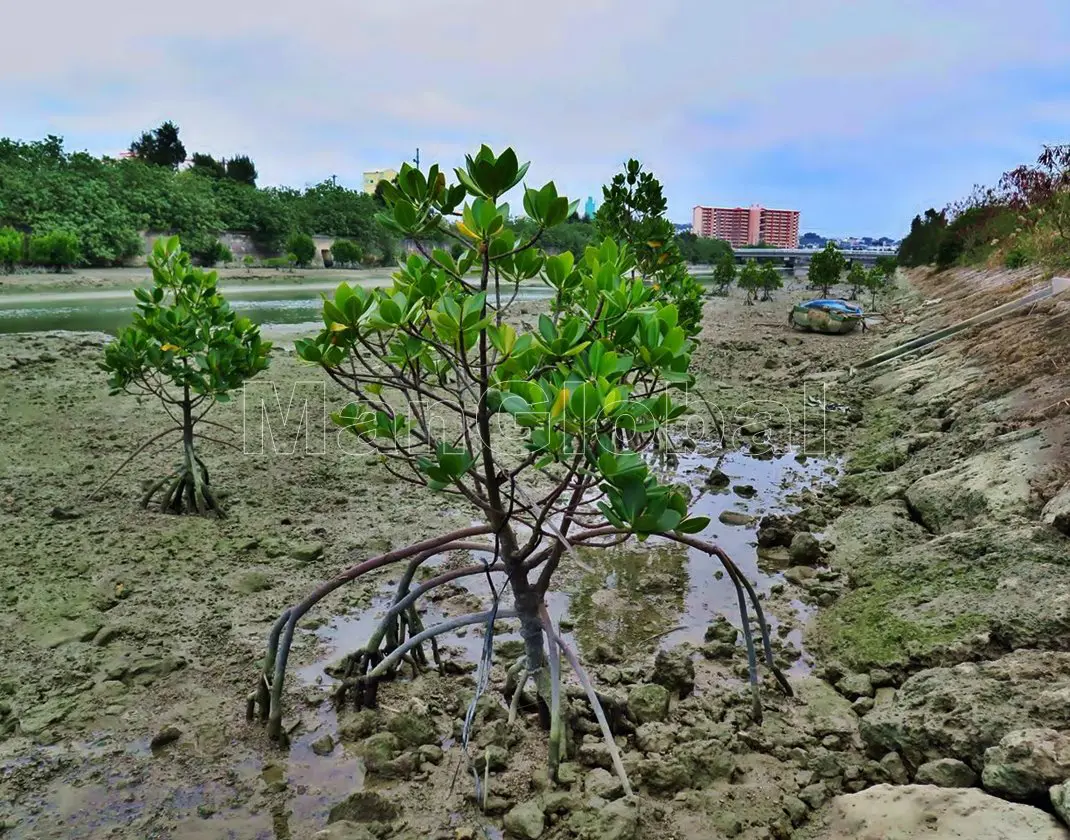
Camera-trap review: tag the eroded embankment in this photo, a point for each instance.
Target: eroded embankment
(954, 539)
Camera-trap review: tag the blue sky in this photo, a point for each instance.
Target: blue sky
(858, 113)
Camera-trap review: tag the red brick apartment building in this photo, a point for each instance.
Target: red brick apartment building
(747, 225)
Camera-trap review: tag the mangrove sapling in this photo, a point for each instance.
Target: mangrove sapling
(750, 280)
(187, 348)
(541, 432)
(769, 281)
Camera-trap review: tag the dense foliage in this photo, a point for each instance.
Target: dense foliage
(346, 252)
(1025, 217)
(701, 250)
(187, 348)
(57, 249)
(106, 203)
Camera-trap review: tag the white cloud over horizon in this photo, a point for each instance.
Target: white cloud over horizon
(857, 112)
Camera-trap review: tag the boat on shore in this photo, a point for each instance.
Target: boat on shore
(833, 317)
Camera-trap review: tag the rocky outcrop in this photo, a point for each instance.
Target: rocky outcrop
(921, 812)
(1026, 764)
(1057, 511)
(946, 772)
(995, 483)
(960, 712)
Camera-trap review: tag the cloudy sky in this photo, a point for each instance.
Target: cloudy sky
(859, 113)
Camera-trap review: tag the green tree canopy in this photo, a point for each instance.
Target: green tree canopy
(242, 170)
(826, 266)
(160, 147)
(303, 248)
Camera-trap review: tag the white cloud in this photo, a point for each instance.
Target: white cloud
(693, 87)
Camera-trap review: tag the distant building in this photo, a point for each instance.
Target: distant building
(747, 225)
(589, 208)
(372, 178)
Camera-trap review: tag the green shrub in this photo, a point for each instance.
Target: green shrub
(207, 250)
(302, 247)
(1016, 258)
(347, 252)
(57, 249)
(11, 243)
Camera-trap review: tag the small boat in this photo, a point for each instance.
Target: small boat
(835, 317)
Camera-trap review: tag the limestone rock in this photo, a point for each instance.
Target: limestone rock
(735, 517)
(364, 806)
(413, 729)
(1026, 763)
(995, 483)
(800, 575)
(717, 479)
(947, 773)
(655, 737)
(922, 812)
(895, 769)
(358, 726)
(722, 631)
(805, 549)
(775, 531)
(960, 712)
(854, 686)
(825, 712)
(307, 552)
(494, 758)
(602, 783)
(344, 830)
(1057, 511)
(648, 703)
(167, 735)
(674, 670)
(1060, 800)
(526, 821)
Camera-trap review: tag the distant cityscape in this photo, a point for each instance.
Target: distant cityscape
(736, 227)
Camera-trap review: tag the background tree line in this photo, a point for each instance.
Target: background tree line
(60, 208)
(1025, 218)
(98, 207)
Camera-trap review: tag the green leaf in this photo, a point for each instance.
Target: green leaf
(585, 404)
(693, 525)
(547, 329)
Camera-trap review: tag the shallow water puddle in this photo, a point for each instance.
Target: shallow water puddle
(634, 596)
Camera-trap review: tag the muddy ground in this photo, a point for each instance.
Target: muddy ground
(130, 639)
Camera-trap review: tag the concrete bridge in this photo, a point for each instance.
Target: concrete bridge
(794, 257)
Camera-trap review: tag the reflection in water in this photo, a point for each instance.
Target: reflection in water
(629, 597)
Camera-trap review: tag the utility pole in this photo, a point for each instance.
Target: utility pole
(334, 180)
(417, 158)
